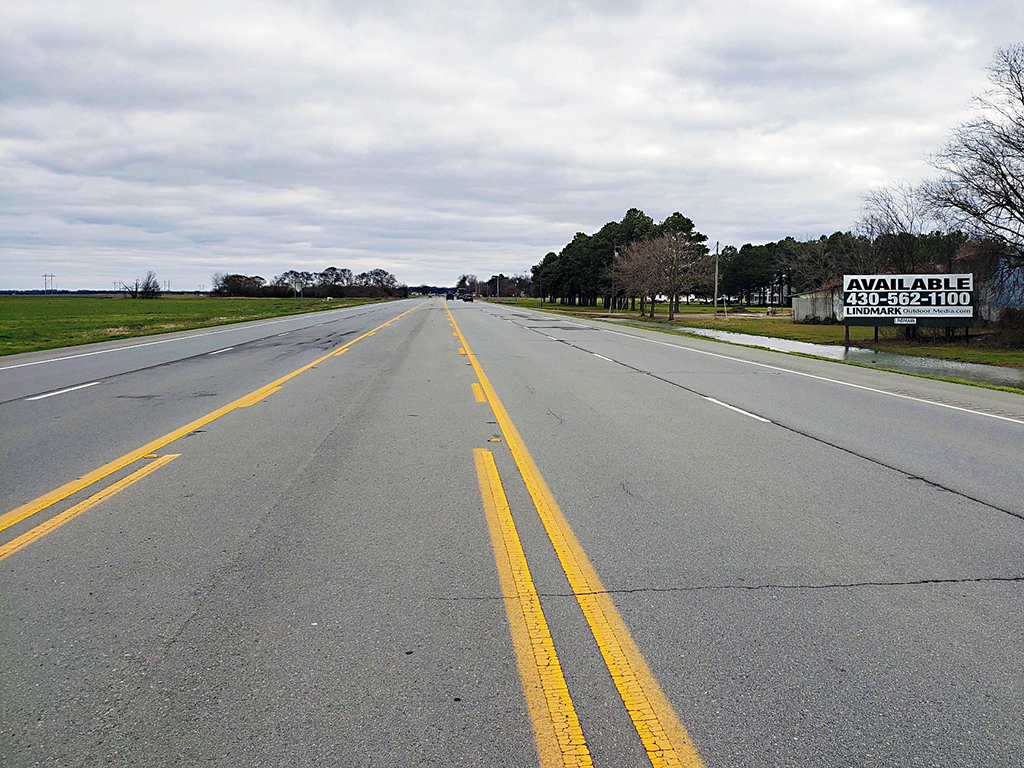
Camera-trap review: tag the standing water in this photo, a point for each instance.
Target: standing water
(986, 374)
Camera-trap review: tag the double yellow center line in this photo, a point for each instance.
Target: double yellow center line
(47, 500)
(664, 738)
(556, 727)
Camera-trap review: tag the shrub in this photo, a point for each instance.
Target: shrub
(1010, 327)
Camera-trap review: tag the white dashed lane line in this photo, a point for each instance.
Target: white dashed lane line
(62, 391)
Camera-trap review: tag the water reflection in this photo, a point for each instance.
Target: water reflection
(928, 366)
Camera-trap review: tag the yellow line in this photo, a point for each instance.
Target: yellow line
(462, 351)
(478, 393)
(556, 728)
(663, 735)
(259, 396)
(57, 521)
(30, 508)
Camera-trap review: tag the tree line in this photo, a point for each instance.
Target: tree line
(499, 285)
(330, 283)
(970, 218)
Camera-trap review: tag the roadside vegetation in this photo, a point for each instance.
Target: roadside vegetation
(330, 283)
(30, 323)
(985, 349)
(968, 219)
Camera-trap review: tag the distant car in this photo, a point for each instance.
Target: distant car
(468, 297)
(449, 295)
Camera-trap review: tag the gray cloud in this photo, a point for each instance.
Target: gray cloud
(433, 139)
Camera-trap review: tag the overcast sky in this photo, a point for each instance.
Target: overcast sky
(436, 138)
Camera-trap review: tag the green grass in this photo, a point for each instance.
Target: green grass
(29, 323)
(756, 323)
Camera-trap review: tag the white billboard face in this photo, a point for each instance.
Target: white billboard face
(908, 296)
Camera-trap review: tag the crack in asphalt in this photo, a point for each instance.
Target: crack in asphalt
(908, 475)
(750, 588)
(796, 431)
(560, 419)
(801, 587)
(635, 495)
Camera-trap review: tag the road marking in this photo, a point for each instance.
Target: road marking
(57, 521)
(211, 354)
(63, 391)
(257, 323)
(30, 508)
(663, 735)
(738, 410)
(556, 727)
(602, 357)
(462, 351)
(478, 393)
(258, 396)
(818, 378)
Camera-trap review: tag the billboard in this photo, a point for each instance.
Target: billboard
(908, 299)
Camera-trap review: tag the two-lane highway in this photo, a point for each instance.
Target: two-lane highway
(465, 534)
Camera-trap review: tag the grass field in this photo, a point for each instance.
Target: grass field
(755, 322)
(29, 323)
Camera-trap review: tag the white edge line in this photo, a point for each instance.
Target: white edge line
(819, 378)
(233, 327)
(217, 352)
(602, 357)
(738, 410)
(62, 391)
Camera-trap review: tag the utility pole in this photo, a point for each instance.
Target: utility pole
(615, 261)
(716, 280)
(49, 283)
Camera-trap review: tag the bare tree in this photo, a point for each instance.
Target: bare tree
(143, 289)
(981, 188)
(638, 270)
(821, 263)
(893, 209)
(682, 263)
(893, 218)
(150, 288)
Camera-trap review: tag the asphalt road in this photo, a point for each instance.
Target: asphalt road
(442, 533)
